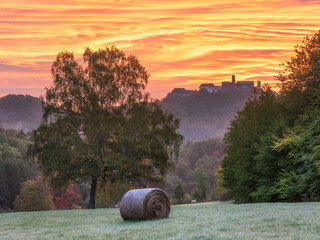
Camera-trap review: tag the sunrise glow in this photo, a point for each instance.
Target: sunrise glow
(181, 43)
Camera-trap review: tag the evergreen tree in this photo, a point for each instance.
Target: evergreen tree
(260, 114)
(179, 193)
(201, 177)
(272, 151)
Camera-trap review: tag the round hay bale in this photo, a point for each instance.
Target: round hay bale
(145, 204)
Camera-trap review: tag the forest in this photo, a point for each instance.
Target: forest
(205, 115)
(195, 172)
(14, 165)
(273, 145)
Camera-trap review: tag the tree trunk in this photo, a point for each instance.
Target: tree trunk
(92, 201)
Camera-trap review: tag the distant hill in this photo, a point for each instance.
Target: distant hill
(205, 115)
(20, 112)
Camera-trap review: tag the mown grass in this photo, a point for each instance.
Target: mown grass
(198, 222)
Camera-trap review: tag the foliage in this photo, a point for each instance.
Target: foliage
(110, 195)
(99, 124)
(193, 151)
(219, 191)
(239, 171)
(301, 179)
(14, 169)
(68, 199)
(300, 81)
(195, 194)
(179, 193)
(194, 154)
(34, 196)
(272, 151)
(202, 185)
(104, 199)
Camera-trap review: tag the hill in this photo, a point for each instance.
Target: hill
(21, 112)
(199, 221)
(205, 115)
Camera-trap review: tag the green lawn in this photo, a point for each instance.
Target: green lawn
(201, 221)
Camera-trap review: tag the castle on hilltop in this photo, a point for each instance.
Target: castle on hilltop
(232, 86)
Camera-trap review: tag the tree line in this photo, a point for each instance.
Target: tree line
(196, 172)
(15, 168)
(24, 188)
(273, 145)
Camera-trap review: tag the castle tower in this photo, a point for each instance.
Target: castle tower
(259, 85)
(233, 79)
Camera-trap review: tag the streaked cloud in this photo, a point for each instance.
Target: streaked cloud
(181, 42)
(13, 68)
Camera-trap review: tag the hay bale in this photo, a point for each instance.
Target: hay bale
(145, 204)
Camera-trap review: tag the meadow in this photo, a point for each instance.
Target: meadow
(195, 221)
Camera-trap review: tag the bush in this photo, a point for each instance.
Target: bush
(34, 196)
(187, 198)
(68, 199)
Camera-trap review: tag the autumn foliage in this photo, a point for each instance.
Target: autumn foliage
(68, 200)
(34, 196)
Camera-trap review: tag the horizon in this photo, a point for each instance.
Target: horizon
(170, 91)
(181, 43)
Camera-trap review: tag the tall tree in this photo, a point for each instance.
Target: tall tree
(245, 162)
(98, 123)
(300, 178)
(300, 80)
(179, 193)
(272, 151)
(201, 177)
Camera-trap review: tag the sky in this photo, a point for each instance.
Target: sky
(182, 43)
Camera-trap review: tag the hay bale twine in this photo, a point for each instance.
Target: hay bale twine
(145, 204)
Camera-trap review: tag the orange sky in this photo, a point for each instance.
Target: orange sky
(182, 43)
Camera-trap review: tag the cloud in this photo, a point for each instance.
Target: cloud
(13, 68)
(181, 42)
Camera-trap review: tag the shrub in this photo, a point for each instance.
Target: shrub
(34, 196)
(68, 199)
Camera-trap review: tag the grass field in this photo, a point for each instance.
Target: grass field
(200, 221)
